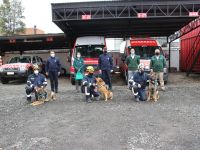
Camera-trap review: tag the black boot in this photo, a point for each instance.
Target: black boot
(88, 99)
(28, 99)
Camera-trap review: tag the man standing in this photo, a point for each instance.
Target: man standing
(132, 61)
(105, 66)
(138, 83)
(53, 68)
(158, 66)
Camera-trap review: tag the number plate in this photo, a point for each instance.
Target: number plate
(10, 73)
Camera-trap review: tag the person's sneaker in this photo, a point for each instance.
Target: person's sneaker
(28, 99)
(56, 91)
(97, 98)
(89, 100)
(163, 89)
(137, 99)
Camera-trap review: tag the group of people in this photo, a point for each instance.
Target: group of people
(88, 82)
(137, 77)
(38, 81)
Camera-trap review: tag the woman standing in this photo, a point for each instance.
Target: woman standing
(79, 70)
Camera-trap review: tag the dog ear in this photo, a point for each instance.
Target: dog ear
(101, 80)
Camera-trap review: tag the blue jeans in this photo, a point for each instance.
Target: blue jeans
(130, 74)
(139, 93)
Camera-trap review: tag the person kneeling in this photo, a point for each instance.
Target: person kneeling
(89, 87)
(138, 83)
(36, 83)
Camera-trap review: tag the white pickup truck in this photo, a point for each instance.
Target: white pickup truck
(19, 67)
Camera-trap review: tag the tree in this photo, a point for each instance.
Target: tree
(11, 17)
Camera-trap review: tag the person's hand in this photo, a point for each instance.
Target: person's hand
(58, 73)
(47, 73)
(36, 89)
(100, 71)
(139, 85)
(165, 70)
(151, 70)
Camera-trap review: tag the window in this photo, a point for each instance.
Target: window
(34, 60)
(21, 59)
(90, 51)
(145, 52)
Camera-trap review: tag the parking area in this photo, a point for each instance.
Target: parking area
(69, 123)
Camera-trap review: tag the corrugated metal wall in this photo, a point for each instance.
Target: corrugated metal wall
(187, 44)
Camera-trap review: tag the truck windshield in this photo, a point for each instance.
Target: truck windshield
(145, 52)
(89, 51)
(24, 59)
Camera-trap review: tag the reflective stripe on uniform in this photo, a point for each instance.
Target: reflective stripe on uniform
(86, 93)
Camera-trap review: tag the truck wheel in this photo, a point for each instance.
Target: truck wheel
(63, 72)
(30, 71)
(4, 81)
(72, 81)
(126, 77)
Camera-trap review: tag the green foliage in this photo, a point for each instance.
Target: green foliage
(11, 17)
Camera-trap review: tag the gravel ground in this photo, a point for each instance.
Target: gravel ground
(172, 123)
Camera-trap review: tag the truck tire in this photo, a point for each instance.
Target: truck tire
(72, 81)
(30, 71)
(126, 77)
(63, 72)
(4, 80)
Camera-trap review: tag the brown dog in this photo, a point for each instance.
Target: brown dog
(153, 89)
(103, 89)
(42, 100)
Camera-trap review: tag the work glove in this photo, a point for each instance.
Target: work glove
(165, 70)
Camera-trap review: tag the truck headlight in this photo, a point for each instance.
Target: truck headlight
(22, 69)
(146, 67)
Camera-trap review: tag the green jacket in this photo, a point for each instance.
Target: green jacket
(158, 64)
(133, 63)
(79, 65)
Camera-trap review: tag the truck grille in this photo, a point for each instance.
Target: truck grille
(11, 69)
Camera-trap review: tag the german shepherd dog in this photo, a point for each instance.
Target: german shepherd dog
(103, 89)
(42, 96)
(153, 93)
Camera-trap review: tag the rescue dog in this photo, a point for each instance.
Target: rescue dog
(153, 93)
(42, 97)
(103, 89)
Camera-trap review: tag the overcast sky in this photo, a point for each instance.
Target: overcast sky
(38, 12)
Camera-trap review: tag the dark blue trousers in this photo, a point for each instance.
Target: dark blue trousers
(106, 75)
(53, 75)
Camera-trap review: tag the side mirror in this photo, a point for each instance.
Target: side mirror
(123, 57)
(69, 58)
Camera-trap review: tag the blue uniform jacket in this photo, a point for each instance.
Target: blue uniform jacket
(89, 80)
(36, 80)
(140, 78)
(105, 62)
(53, 64)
